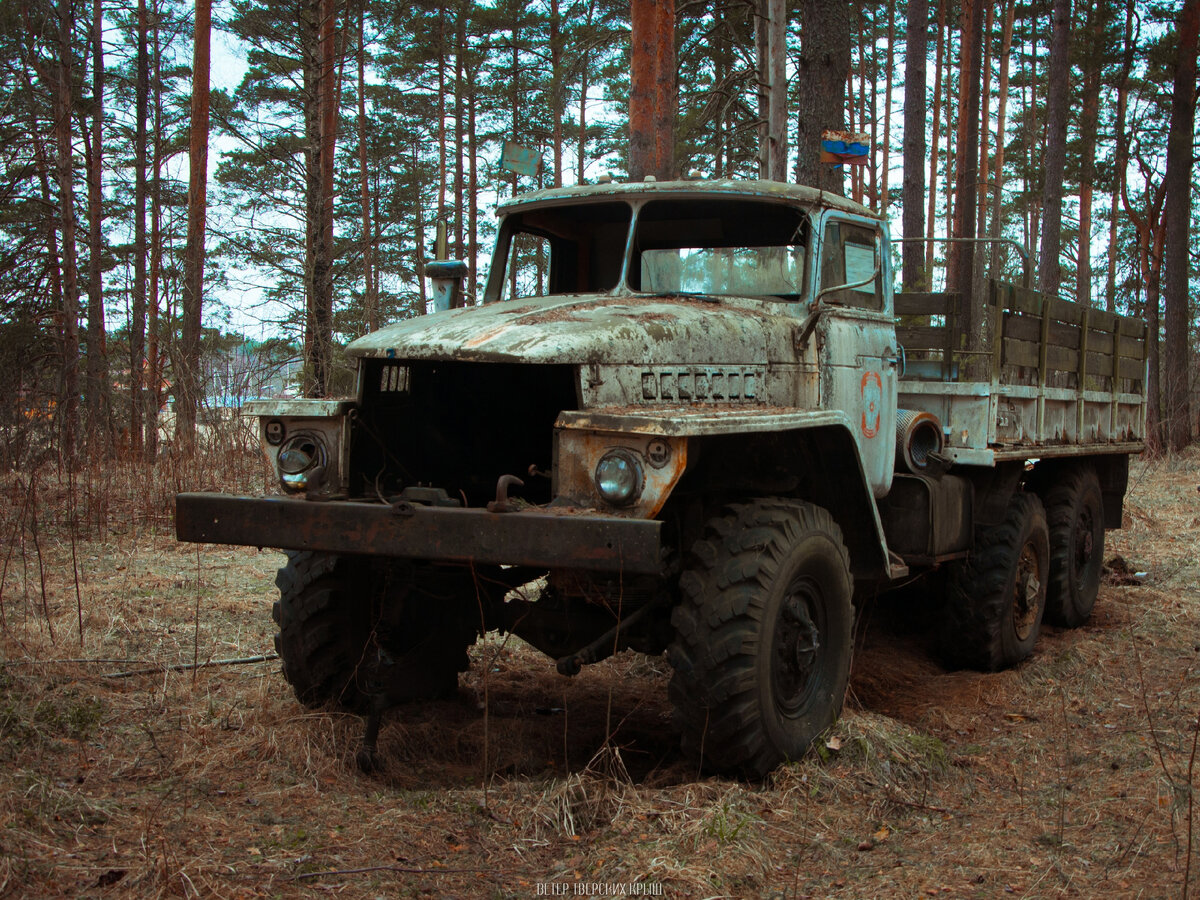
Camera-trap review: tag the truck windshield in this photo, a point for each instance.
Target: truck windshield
(722, 246)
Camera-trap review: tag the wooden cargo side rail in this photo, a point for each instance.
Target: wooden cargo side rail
(1033, 346)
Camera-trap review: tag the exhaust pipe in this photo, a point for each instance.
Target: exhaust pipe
(918, 434)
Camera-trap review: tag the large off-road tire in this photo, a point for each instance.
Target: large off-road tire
(365, 635)
(762, 636)
(1075, 516)
(324, 630)
(996, 598)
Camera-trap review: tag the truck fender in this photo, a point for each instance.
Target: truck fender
(819, 463)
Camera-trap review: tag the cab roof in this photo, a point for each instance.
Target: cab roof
(752, 189)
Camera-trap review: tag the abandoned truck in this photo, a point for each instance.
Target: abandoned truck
(692, 418)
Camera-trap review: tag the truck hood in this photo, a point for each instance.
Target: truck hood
(583, 329)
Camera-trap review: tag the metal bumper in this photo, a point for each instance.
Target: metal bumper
(544, 538)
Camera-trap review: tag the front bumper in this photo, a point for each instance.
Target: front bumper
(543, 538)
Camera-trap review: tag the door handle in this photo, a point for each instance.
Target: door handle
(896, 361)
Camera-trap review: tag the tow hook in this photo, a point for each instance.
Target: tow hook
(501, 503)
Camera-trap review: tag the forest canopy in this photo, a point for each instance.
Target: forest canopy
(350, 130)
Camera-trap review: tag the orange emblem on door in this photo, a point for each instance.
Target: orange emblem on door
(872, 403)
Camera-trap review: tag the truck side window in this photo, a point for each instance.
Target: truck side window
(849, 254)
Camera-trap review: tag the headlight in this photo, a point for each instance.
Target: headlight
(297, 459)
(619, 477)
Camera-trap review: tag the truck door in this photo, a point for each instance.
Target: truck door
(856, 338)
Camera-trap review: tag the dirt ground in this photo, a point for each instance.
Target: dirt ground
(1070, 776)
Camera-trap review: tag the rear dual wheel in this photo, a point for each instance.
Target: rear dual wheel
(996, 597)
(1075, 515)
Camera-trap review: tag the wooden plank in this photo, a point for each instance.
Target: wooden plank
(914, 303)
(1101, 320)
(922, 337)
(1133, 369)
(1100, 362)
(1027, 328)
(1060, 359)
(1020, 353)
(1132, 347)
(1025, 300)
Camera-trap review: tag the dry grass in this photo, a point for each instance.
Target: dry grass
(1069, 776)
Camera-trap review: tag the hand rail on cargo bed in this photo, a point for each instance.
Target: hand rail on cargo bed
(1026, 268)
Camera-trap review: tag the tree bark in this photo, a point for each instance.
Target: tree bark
(321, 126)
(652, 92)
(1057, 99)
(939, 52)
(370, 293)
(1120, 159)
(188, 367)
(961, 275)
(915, 50)
(137, 329)
(1176, 218)
(153, 342)
(887, 110)
(1088, 125)
(1001, 118)
(823, 66)
(63, 106)
(96, 375)
(777, 143)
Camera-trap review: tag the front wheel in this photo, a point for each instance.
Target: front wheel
(763, 636)
(368, 634)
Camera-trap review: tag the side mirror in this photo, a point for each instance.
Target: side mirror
(445, 277)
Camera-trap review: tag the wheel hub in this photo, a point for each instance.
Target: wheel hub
(1027, 589)
(1084, 542)
(797, 642)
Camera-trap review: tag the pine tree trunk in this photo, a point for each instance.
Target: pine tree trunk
(939, 53)
(961, 276)
(887, 109)
(137, 329)
(652, 95)
(63, 105)
(1057, 99)
(460, 45)
(321, 135)
(1088, 125)
(1176, 219)
(556, 93)
(915, 50)
(1001, 114)
(1120, 160)
(982, 199)
(777, 124)
(153, 342)
(370, 295)
(188, 366)
(823, 66)
(96, 374)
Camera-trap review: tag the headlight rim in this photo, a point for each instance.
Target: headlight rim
(635, 466)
